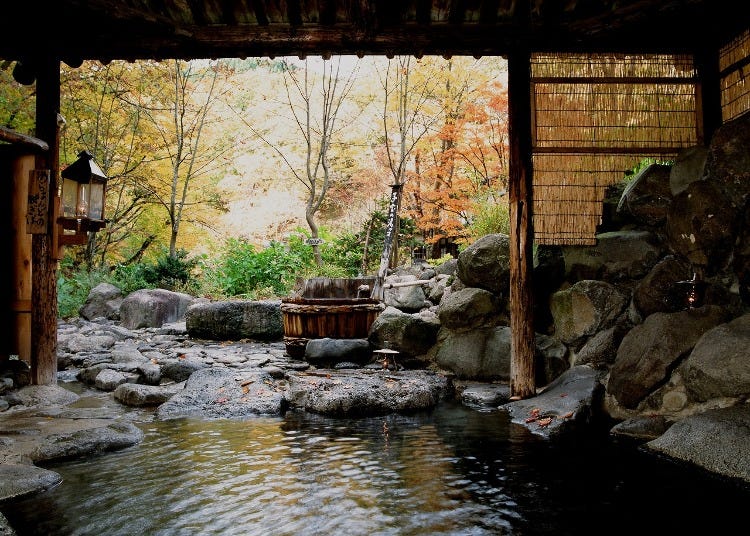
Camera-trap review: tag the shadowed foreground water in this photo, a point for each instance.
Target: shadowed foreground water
(454, 470)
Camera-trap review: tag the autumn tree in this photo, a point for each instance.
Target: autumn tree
(451, 170)
(98, 103)
(316, 100)
(190, 159)
(406, 118)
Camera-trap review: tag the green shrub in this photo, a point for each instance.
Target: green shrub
(241, 270)
(74, 286)
(489, 218)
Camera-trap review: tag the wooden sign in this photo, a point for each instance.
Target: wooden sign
(38, 209)
(314, 241)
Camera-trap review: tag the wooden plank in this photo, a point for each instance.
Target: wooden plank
(21, 255)
(522, 367)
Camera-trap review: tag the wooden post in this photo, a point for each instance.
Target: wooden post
(522, 369)
(44, 262)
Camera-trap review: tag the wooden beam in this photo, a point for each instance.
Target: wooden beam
(522, 367)
(44, 264)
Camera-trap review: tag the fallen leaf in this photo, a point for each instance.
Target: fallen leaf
(567, 415)
(246, 382)
(245, 389)
(544, 422)
(222, 400)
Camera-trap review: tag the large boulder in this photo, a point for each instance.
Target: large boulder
(688, 167)
(585, 308)
(728, 160)
(367, 393)
(408, 298)
(410, 334)
(723, 348)
(650, 351)
(648, 195)
(235, 320)
(701, 225)
(470, 308)
(329, 352)
(617, 255)
(104, 300)
(223, 393)
(486, 263)
(152, 308)
(717, 441)
(568, 404)
(481, 354)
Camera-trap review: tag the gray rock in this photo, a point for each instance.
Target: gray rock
(482, 395)
(90, 441)
(328, 351)
(410, 334)
(179, 370)
(641, 428)
(617, 255)
(486, 263)
(140, 395)
(147, 308)
(566, 405)
(688, 167)
(717, 440)
(409, 299)
(235, 320)
(21, 480)
(470, 308)
(721, 349)
(585, 308)
(480, 354)
(649, 351)
(221, 393)
(357, 393)
(648, 195)
(104, 300)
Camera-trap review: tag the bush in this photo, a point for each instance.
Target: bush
(490, 218)
(74, 286)
(242, 271)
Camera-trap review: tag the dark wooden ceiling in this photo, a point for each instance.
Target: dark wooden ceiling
(74, 30)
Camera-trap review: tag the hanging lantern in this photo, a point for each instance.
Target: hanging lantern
(84, 186)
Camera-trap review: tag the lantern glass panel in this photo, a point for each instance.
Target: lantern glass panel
(69, 198)
(82, 208)
(96, 201)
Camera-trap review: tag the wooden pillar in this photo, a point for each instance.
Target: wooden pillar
(522, 368)
(44, 254)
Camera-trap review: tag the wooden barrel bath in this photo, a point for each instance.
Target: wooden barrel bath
(336, 308)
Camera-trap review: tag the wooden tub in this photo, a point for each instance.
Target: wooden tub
(336, 308)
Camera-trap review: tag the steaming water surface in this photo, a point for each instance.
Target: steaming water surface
(454, 470)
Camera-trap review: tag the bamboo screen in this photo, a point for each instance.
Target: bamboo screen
(595, 116)
(734, 64)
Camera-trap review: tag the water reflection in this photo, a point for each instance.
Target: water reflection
(452, 471)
